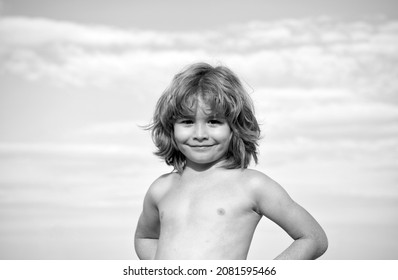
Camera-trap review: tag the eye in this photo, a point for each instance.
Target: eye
(215, 122)
(185, 121)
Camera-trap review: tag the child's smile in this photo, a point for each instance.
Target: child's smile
(203, 138)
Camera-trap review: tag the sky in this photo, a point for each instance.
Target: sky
(78, 79)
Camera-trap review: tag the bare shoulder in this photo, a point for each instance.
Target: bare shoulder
(161, 186)
(258, 181)
(265, 192)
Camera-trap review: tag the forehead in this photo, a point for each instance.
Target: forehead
(199, 106)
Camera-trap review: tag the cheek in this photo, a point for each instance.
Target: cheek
(225, 136)
(228, 133)
(180, 135)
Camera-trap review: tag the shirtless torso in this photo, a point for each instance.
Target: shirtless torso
(211, 218)
(213, 215)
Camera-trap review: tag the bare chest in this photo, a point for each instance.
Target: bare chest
(192, 202)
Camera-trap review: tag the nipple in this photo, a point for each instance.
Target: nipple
(221, 211)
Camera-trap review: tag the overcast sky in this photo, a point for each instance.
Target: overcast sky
(77, 78)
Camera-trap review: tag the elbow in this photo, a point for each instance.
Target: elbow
(317, 245)
(322, 248)
(325, 245)
(322, 245)
(136, 246)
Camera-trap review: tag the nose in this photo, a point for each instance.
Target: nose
(200, 132)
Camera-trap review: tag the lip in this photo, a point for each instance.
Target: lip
(200, 146)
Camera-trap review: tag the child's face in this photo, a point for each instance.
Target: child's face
(203, 138)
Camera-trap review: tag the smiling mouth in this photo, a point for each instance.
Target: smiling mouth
(201, 146)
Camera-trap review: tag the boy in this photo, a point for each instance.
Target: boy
(208, 208)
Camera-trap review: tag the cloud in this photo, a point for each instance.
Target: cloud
(100, 168)
(305, 53)
(33, 32)
(326, 124)
(115, 128)
(88, 151)
(336, 107)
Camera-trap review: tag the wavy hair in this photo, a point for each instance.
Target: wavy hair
(221, 90)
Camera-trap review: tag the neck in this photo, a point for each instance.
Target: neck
(201, 168)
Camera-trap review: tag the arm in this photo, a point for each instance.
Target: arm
(148, 228)
(272, 201)
(310, 241)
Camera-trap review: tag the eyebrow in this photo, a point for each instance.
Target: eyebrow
(212, 114)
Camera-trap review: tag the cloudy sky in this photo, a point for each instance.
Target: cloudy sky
(78, 78)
